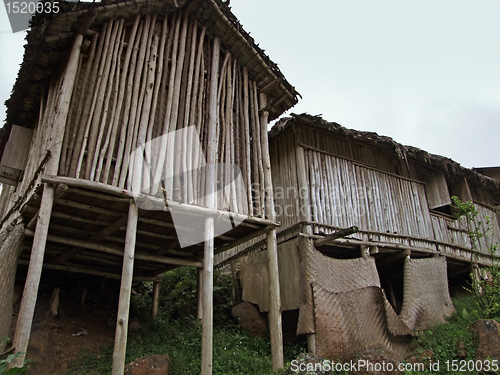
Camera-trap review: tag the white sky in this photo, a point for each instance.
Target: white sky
(426, 72)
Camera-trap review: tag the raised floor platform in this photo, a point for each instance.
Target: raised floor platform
(88, 226)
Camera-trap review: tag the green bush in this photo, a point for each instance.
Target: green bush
(5, 362)
(178, 333)
(178, 293)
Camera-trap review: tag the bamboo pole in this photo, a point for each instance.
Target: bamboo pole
(70, 126)
(27, 309)
(208, 260)
(79, 112)
(125, 291)
(247, 152)
(109, 143)
(305, 202)
(138, 163)
(259, 144)
(125, 122)
(105, 124)
(188, 187)
(136, 104)
(197, 102)
(97, 45)
(272, 248)
(90, 110)
(147, 175)
(143, 104)
(99, 99)
(165, 143)
(200, 126)
(170, 157)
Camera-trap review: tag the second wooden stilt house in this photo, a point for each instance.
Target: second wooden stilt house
(140, 118)
(369, 242)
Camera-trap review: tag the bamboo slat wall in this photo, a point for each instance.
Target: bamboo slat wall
(141, 81)
(353, 184)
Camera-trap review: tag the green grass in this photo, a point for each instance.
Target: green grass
(177, 333)
(234, 352)
(442, 339)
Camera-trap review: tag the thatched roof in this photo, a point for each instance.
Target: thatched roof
(50, 37)
(387, 144)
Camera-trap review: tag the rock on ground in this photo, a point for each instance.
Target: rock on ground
(251, 319)
(149, 365)
(487, 332)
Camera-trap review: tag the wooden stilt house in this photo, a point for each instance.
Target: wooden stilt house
(369, 243)
(119, 122)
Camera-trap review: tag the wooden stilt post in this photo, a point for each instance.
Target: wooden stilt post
(125, 291)
(28, 302)
(272, 247)
(156, 297)
(199, 295)
(211, 202)
(311, 343)
(305, 208)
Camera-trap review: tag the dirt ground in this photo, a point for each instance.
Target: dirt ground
(56, 341)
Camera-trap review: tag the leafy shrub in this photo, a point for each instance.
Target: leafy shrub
(178, 293)
(5, 362)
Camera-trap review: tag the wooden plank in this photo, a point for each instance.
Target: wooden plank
(338, 234)
(437, 192)
(116, 251)
(17, 148)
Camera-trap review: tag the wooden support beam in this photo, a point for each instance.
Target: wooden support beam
(125, 291)
(187, 208)
(95, 238)
(89, 207)
(156, 297)
(244, 239)
(95, 194)
(81, 219)
(86, 271)
(61, 191)
(117, 251)
(272, 247)
(332, 237)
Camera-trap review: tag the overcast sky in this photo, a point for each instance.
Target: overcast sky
(426, 72)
